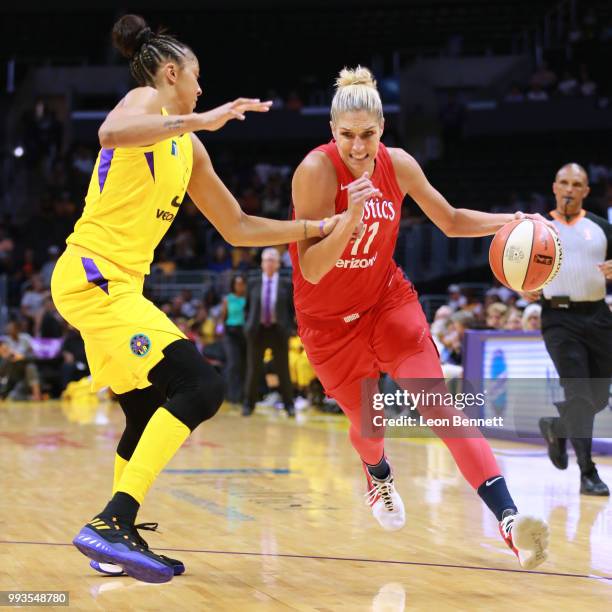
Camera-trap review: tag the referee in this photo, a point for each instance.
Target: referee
(577, 326)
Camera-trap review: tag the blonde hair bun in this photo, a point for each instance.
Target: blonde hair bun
(355, 76)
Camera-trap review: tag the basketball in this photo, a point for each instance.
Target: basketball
(525, 255)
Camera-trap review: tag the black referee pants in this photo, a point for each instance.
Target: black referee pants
(580, 344)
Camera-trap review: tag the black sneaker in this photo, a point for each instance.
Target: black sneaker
(556, 446)
(110, 569)
(592, 484)
(107, 540)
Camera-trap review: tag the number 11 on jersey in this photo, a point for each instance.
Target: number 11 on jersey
(372, 230)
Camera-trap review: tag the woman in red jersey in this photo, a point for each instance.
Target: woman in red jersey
(359, 316)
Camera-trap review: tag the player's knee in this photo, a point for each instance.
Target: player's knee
(198, 399)
(194, 390)
(138, 406)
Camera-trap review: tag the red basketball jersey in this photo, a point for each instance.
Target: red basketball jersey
(366, 266)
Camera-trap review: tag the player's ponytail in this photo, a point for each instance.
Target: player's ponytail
(356, 91)
(146, 49)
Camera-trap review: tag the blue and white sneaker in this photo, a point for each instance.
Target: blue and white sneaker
(108, 541)
(110, 569)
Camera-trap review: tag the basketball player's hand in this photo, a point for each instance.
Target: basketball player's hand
(217, 117)
(359, 192)
(330, 224)
(531, 296)
(606, 268)
(536, 217)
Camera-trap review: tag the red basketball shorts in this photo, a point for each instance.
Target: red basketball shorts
(344, 354)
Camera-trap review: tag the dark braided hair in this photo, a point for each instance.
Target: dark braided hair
(146, 49)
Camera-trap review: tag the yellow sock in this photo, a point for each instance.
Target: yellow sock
(162, 437)
(120, 464)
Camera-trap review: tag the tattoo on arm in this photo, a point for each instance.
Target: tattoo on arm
(173, 124)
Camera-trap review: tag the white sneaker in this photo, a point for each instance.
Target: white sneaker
(271, 399)
(527, 537)
(386, 503)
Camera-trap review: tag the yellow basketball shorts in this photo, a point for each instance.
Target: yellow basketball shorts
(124, 333)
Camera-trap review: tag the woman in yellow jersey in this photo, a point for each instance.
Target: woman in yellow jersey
(149, 159)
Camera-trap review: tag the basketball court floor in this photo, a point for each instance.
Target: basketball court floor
(268, 514)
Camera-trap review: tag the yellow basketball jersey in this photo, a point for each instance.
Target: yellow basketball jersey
(133, 197)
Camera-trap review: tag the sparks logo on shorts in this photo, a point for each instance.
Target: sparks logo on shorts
(140, 345)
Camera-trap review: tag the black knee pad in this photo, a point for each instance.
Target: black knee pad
(194, 389)
(138, 406)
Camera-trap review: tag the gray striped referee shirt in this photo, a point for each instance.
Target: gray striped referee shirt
(586, 242)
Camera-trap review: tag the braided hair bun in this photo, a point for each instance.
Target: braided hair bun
(129, 34)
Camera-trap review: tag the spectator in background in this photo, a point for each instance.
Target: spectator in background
(244, 259)
(198, 321)
(18, 373)
(233, 317)
(456, 301)
(473, 305)
(514, 321)
(185, 248)
(47, 268)
(453, 339)
(173, 307)
(271, 201)
(190, 304)
(74, 366)
(221, 259)
(49, 323)
(32, 301)
(496, 316)
(531, 320)
(514, 94)
(568, 85)
(492, 296)
(439, 326)
(537, 94)
(165, 265)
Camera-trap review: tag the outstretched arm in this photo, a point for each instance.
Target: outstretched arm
(454, 222)
(220, 207)
(137, 120)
